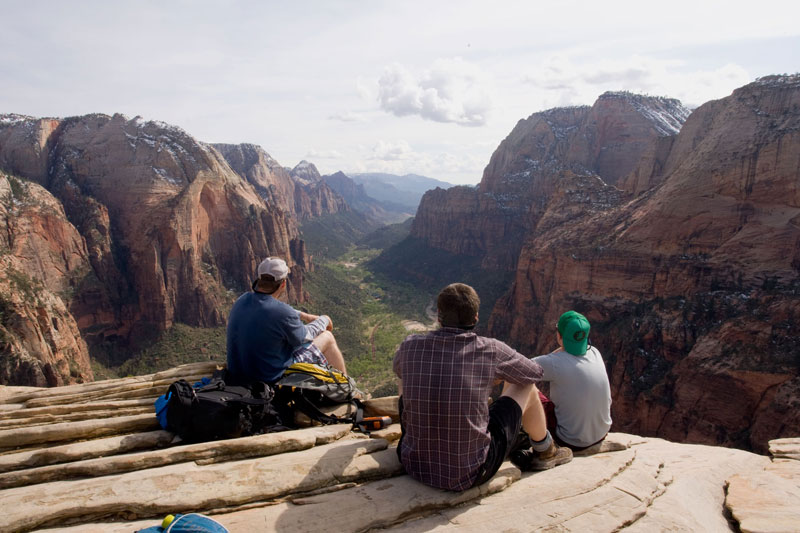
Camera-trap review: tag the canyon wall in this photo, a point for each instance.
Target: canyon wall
(606, 139)
(683, 250)
(300, 191)
(42, 258)
(160, 228)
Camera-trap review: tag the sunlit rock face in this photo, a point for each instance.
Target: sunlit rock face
(166, 227)
(606, 140)
(313, 197)
(42, 259)
(300, 191)
(683, 249)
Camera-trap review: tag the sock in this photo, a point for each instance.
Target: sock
(542, 445)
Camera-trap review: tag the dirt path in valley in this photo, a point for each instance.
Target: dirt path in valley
(414, 325)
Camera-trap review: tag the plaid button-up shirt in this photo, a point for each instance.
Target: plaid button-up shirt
(447, 376)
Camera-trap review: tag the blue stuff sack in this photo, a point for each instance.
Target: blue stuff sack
(187, 523)
(161, 409)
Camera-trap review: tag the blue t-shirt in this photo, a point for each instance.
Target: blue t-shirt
(262, 334)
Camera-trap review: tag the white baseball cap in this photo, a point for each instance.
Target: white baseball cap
(275, 267)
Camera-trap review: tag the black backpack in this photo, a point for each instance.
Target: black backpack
(217, 410)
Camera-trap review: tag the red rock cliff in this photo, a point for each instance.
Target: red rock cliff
(491, 221)
(167, 226)
(313, 197)
(693, 286)
(301, 191)
(689, 271)
(42, 258)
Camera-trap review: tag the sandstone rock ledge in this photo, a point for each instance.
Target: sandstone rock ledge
(115, 471)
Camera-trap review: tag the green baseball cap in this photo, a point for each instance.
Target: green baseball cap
(574, 330)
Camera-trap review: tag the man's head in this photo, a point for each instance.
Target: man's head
(458, 306)
(272, 273)
(574, 331)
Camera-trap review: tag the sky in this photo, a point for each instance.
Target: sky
(427, 87)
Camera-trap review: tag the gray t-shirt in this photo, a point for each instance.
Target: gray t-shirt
(580, 391)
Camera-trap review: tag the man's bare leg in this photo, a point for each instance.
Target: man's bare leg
(544, 453)
(326, 343)
(533, 419)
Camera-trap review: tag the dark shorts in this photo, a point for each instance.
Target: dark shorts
(505, 420)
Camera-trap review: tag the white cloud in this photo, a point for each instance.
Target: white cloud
(366, 89)
(695, 88)
(398, 157)
(347, 116)
(562, 80)
(391, 151)
(323, 154)
(452, 90)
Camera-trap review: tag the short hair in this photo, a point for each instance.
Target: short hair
(267, 284)
(458, 305)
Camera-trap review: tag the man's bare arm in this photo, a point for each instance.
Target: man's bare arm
(307, 317)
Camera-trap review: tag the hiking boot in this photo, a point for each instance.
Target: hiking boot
(530, 460)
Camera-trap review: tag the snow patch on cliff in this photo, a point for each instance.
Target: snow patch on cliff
(166, 176)
(10, 119)
(666, 115)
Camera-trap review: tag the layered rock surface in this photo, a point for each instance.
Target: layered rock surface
(319, 199)
(126, 474)
(158, 227)
(681, 248)
(42, 258)
(300, 191)
(492, 220)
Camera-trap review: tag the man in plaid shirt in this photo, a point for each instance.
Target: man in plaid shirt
(451, 438)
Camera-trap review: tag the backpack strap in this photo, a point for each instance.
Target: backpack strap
(262, 393)
(307, 407)
(183, 392)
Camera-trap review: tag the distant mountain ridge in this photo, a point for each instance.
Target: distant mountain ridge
(356, 197)
(406, 190)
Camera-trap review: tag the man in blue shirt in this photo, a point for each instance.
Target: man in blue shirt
(266, 336)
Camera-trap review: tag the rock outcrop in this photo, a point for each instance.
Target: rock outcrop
(606, 140)
(313, 197)
(300, 191)
(166, 227)
(267, 176)
(129, 475)
(43, 258)
(683, 251)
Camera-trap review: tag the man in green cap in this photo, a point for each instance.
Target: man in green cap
(578, 385)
